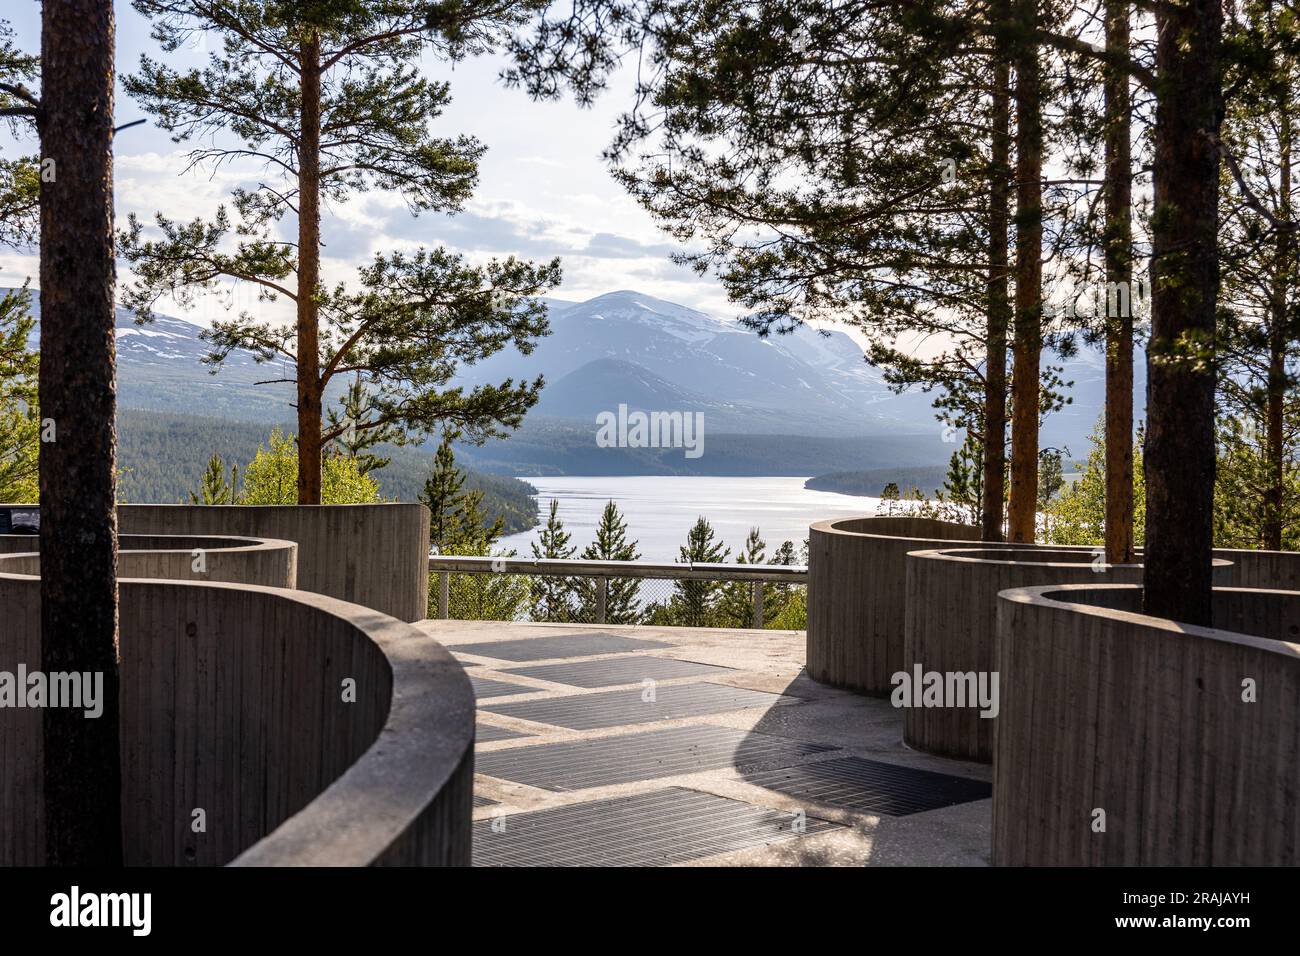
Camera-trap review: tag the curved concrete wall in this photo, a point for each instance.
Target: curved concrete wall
(1279, 570)
(265, 562)
(233, 703)
(856, 596)
(951, 626)
(373, 555)
(1104, 708)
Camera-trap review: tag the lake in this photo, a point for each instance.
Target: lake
(660, 510)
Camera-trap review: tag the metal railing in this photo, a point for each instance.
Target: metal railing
(603, 572)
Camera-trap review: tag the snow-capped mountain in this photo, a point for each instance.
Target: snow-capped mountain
(620, 348)
(803, 382)
(160, 368)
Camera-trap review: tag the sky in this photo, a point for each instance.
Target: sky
(543, 191)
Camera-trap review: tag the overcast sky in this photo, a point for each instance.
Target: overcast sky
(543, 191)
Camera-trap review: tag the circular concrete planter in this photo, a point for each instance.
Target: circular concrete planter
(951, 627)
(265, 562)
(309, 731)
(1109, 711)
(374, 555)
(856, 596)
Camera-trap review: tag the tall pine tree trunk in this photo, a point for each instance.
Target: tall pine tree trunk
(78, 397)
(309, 384)
(1119, 273)
(1283, 276)
(1028, 343)
(999, 305)
(1179, 453)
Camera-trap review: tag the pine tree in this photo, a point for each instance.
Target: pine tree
(458, 526)
(736, 602)
(215, 489)
(271, 477)
(77, 392)
(328, 97)
(553, 597)
(694, 603)
(442, 490)
(621, 596)
(20, 421)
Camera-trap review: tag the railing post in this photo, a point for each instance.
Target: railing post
(444, 593)
(756, 589)
(602, 595)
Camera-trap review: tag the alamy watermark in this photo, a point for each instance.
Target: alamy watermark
(1112, 299)
(922, 688)
(78, 690)
(624, 429)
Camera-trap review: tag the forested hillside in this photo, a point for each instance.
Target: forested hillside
(162, 458)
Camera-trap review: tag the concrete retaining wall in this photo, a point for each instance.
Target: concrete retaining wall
(1279, 570)
(856, 595)
(1104, 708)
(184, 558)
(233, 703)
(373, 555)
(951, 626)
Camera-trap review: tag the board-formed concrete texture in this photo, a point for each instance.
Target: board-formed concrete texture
(1183, 737)
(373, 555)
(381, 776)
(230, 559)
(764, 758)
(856, 594)
(951, 627)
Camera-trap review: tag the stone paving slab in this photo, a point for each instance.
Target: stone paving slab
(824, 724)
(636, 706)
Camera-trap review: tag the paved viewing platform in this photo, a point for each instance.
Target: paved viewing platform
(676, 746)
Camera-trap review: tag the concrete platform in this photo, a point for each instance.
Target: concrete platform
(729, 747)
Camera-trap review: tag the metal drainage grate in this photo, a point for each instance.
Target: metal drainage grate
(616, 708)
(487, 733)
(647, 829)
(580, 764)
(563, 645)
(487, 687)
(610, 671)
(852, 783)
(484, 801)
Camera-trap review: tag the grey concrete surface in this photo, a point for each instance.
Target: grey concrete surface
(771, 661)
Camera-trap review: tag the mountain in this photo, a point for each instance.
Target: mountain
(673, 358)
(160, 368)
(625, 348)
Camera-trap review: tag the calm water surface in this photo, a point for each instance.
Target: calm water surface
(660, 510)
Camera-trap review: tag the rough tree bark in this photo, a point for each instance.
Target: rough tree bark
(999, 304)
(309, 384)
(78, 385)
(1179, 450)
(1028, 342)
(1118, 249)
(1283, 276)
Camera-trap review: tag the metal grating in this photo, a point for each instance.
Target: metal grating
(562, 645)
(581, 764)
(647, 829)
(852, 783)
(609, 671)
(483, 801)
(487, 687)
(487, 733)
(617, 708)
